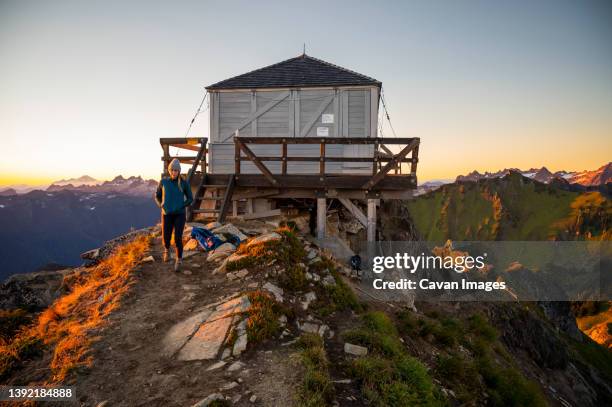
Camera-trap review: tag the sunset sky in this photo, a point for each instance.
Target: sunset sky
(89, 87)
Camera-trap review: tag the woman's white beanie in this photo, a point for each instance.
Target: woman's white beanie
(174, 165)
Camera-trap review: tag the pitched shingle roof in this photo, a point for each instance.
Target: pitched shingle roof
(302, 71)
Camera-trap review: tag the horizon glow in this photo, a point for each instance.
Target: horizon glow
(89, 88)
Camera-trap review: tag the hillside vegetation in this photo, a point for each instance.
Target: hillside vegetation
(64, 331)
(510, 208)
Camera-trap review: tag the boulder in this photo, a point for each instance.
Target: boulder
(230, 386)
(91, 254)
(36, 291)
(240, 345)
(311, 254)
(192, 244)
(235, 257)
(308, 298)
(212, 225)
(264, 238)
(221, 252)
(309, 327)
(237, 274)
(329, 280)
(235, 366)
(355, 349)
(231, 229)
(275, 290)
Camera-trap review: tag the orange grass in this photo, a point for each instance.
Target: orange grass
(67, 326)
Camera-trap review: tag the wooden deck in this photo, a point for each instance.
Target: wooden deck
(388, 178)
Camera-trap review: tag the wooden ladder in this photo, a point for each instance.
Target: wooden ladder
(200, 196)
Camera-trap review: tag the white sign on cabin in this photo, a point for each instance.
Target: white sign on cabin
(327, 118)
(322, 132)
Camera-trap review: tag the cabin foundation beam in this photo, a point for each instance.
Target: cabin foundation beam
(371, 229)
(321, 217)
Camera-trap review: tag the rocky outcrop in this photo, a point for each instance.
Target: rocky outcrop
(33, 291)
(524, 332)
(396, 223)
(94, 256)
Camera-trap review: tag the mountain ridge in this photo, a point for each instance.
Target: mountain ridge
(598, 177)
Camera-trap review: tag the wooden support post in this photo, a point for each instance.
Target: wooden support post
(284, 163)
(234, 208)
(415, 160)
(196, 162)
(166, 161)
(321, 217)
(375, 163)
(322, 159)
(236, 156)
(227, 198)
(371, 231)
(203, 162)
(250, 206)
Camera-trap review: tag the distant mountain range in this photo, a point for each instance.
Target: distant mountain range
(83, 180)
(41, 228)
(576, 180)
(136, 186)
(598, 177)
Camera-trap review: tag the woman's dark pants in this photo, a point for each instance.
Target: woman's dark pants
(173, 222)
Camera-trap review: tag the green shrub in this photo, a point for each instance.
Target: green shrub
(293, 278)
(388, 375)
(507, 387)
(451, 367)
(479, 325)
(317, 388)
(262, 322)
(288, 252)
(407, 322)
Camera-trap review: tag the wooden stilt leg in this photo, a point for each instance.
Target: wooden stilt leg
(371, 231)
(321, 217)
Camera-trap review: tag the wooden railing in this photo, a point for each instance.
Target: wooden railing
(383, 159)
(197, 144)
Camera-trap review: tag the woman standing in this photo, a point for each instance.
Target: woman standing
(173, 196)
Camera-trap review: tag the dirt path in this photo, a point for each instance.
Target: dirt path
(130, 368)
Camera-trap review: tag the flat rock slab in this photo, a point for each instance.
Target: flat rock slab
(211, 327)
(355, 349)
(207, 340)
(230, 308)
(180, 333)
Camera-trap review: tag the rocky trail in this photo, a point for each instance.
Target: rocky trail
(168, 343)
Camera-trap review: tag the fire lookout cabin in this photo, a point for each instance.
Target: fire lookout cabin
(302, 129)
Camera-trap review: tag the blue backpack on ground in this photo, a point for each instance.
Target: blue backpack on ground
(207, 240)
